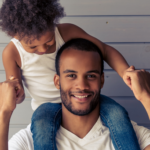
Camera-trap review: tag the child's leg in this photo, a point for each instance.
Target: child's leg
(115, 117)
(45, 122)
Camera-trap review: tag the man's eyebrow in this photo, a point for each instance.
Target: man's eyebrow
(69, 71)
(94, 71)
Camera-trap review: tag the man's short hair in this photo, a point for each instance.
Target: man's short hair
(78, 44)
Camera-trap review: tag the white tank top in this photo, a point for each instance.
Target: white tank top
(38, 72)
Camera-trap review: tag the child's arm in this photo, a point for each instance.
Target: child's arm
(111, 55)
(12, 63)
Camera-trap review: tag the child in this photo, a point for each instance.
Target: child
(30, 56)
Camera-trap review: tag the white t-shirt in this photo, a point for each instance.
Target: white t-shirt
(98, 138)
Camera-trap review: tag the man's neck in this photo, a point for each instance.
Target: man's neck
(79, 125)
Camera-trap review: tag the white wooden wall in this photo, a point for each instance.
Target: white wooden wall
(122, 24)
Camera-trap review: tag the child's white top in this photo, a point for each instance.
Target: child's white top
(38, 72)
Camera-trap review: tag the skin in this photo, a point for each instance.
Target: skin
(80, 78)
(7, 105)
(46, 44)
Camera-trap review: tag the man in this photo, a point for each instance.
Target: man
(80, 78)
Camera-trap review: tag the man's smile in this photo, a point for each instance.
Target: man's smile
(78, 96)
(81, 97)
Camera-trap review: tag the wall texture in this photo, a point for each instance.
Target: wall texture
(121, 24)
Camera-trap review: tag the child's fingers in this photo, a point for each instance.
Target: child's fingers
(16, 84)
(128, 82)
(131, 68)
(18, 88)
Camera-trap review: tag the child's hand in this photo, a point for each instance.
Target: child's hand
(8, 95)
(126, 78)
(140, 84)
(19, 93)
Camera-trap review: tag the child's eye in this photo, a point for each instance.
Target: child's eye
(33, 47)
(50, 43)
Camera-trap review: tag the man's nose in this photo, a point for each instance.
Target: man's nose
(82, 84)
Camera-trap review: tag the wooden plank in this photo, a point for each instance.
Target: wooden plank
(4, 38)
(114, 29)
(106, 7)
(1, 61)
(135, 109)
(114, 85)
(2, 46)
(109, 29)
(13, 129)
(1, 1)
(135, 54)
(22, 114)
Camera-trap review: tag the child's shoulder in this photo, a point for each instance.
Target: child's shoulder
(69, 31)
(10, 52)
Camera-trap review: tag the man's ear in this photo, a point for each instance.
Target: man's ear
(56, 81)
(102, 80)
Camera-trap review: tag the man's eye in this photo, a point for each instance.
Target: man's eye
(71, 75)
(91, 76)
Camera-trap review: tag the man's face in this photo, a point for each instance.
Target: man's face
(80, 81)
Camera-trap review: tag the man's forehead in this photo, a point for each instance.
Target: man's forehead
(76, 53)
(78, 59)
(74, 71)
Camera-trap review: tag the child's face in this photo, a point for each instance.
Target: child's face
(41, 46)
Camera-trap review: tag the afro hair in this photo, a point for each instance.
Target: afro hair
(29, 18)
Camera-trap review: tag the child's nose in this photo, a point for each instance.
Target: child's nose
(43, 49)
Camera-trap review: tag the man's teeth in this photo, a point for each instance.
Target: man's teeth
(81, 96)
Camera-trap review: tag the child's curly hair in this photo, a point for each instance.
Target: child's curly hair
(29, 18)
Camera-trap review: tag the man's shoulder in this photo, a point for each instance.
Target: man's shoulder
(22, 140)
(143, 135)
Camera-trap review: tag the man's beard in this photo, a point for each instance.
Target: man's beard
(69, 106)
